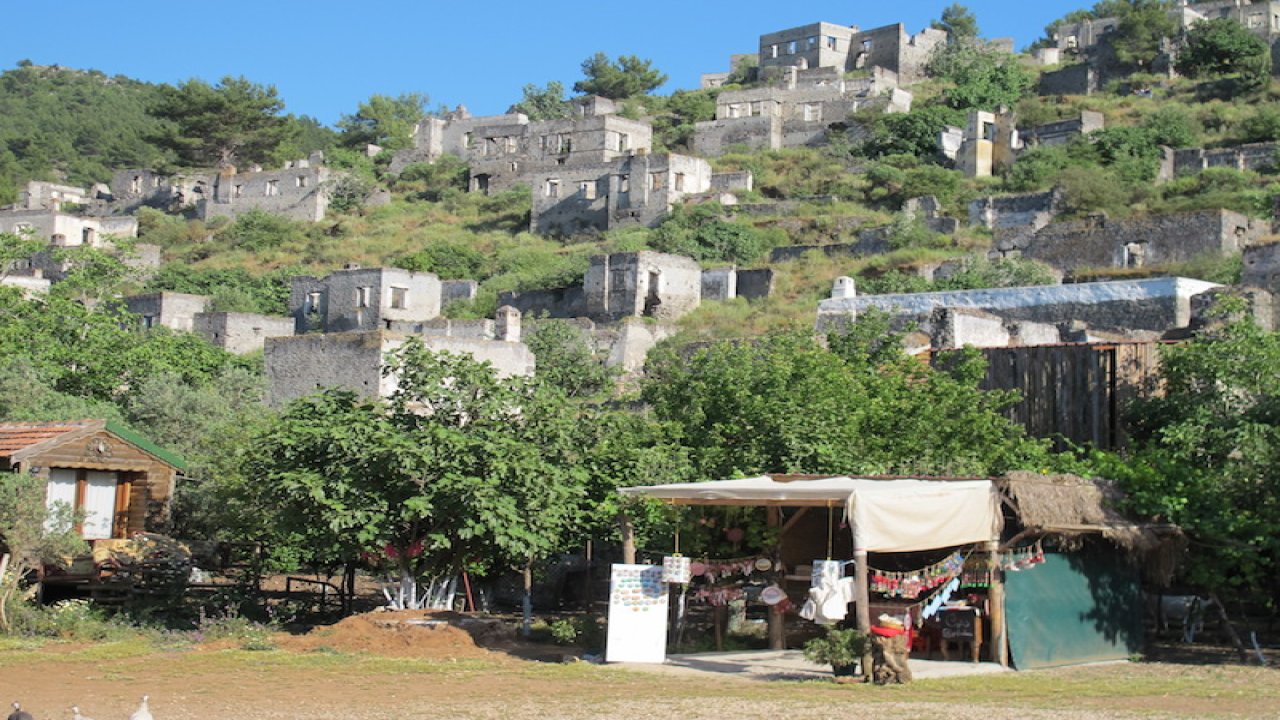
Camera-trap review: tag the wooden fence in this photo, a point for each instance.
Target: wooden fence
(1076, 393)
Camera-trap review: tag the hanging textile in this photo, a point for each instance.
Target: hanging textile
(1022, 558)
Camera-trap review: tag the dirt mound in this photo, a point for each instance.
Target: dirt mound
(403, 633)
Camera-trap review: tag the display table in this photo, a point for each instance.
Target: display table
(961, 625)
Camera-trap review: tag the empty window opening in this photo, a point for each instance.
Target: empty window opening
(812, 42)
(364, 296)
(791, 48)
(136, 184)
(273, 188)
(87, 236)
(657, 181)
(988, 131)
(624, 142)
(679, 182)
(399, 298)
(587, 190)
(300, 181)
(831, 42)
(624, 183)
(552, 189)
(651, 299)
(237, 191)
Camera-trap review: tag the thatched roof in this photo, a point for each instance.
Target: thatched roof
(1070, 507)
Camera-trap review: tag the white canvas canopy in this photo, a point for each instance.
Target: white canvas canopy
(898, 515)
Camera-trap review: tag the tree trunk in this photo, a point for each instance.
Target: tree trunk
(4, 593)
(526, 627)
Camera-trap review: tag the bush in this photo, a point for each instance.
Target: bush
(451, 260)
(701, 233)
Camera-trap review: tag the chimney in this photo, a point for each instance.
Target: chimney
(844, 289)
(507, 322)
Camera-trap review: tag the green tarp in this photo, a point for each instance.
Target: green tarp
(1073, 608)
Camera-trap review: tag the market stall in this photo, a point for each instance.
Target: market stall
(928, 552)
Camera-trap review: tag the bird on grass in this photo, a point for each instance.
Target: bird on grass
(75, 714)
(19, 714)
(143, 712)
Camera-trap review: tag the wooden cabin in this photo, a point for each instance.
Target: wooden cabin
(121, 482)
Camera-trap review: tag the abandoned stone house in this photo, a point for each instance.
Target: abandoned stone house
(64, 230)
(1145, 241)
(240, 333)
(300, 365)
(991, 141)
(797, 111)
(1258, 157)
(174, 310)
(361, 299)
(633, 190)
(847, 48)
(299, 190)
(998, 317)
(1087, 40)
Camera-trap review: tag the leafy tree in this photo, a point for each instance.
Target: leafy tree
(701, 233)
(913, 133)
(1223, 46)
(674, 126)
(451, 260)
(982, 77)
(782, 403)
(231, 290)
(1143, 26)
(1208, 451)
(1171, 125)
(384, 121)
(627, 77)
(235, 121)
(567, 361)
(31, 535)
(457, 469)
(543, 103)
(958, 21)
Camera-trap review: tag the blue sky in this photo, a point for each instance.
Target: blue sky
(325, 57)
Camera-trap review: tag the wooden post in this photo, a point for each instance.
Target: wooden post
(628, 539)
(995, 597)
(777, 620)
(862, 599)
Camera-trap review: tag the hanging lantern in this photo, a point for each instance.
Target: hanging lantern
(676, 569)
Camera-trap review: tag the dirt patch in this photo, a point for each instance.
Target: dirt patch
(404, 633)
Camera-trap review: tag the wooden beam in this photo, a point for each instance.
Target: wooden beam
(777, 621)
(628, 538)
(999, 640)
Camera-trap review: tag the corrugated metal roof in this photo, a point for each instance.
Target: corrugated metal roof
(19, 436)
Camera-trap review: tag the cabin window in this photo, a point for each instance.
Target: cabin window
(94, 493)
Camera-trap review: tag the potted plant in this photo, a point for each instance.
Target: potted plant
(841, 649)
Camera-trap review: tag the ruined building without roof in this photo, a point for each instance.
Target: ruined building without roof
(847, 48)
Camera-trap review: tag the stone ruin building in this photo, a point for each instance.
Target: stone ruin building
(847, 48)
(1145, 309)
(361, 299)
(796, 111)
(593, 171)
(1087, 40)
(299, 190)
(991, 141)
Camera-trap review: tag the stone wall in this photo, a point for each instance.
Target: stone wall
(1152, 306)
(61, 229)
(363, 299)
(755, 284)
(1258, 157)
(1081, 79)
(298, 192)
(642, 284)
(635, 190)
(1153, 240)
(301, 365)
(176, 311)
(1016, 212)
(240, 333)
(567, 302)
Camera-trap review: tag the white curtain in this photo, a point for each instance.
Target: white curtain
(99, 504)
(60, 490)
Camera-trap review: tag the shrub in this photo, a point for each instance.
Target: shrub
(451, 260)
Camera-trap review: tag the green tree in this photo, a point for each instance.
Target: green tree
(782, 403)
(384, 121)
(1223, 46)
(981, 77)
(31, 535)
(958, 21)
(1208, 455)
(235, 121)
(913, 133)
(457, 469)
(543, 103)
(628, 76)
(1143, 27)
(567, 361)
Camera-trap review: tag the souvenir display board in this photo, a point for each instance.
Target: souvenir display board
(638, 607)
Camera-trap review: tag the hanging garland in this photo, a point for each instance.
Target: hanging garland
(1022, 558)
(912, 584)
(714, 570)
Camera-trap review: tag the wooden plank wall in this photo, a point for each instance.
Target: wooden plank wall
(1074, 392)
